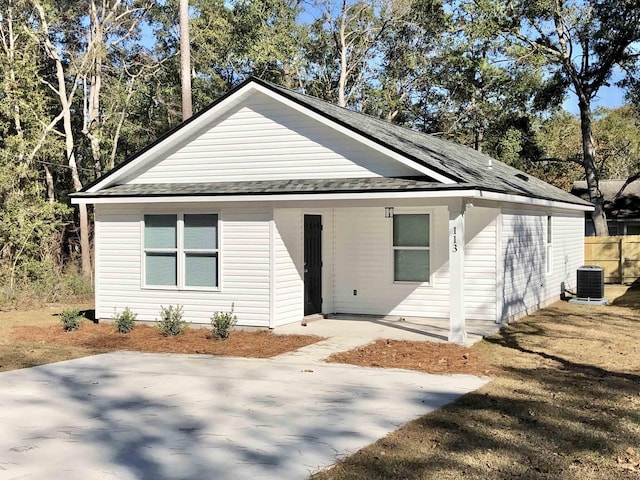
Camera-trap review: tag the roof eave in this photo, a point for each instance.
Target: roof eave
(471, 194)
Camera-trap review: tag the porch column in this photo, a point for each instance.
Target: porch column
(457, 330)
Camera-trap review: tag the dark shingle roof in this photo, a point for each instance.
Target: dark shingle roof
(277, 187)
(456, 161)
(462, 164)
(624, 207)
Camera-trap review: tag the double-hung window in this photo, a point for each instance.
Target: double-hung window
(181, 251)
(411, 247)
(549, 245)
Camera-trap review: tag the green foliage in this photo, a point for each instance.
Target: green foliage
(222, 323)
(52, 286)
(171, 323)
(71, 319)
(125, 321)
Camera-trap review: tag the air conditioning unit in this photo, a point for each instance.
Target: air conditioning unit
(590, 284)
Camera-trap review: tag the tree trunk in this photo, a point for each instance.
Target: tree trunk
(51, 191)
(591, 169)
(66, 99)
(185, 60)
(342, 80)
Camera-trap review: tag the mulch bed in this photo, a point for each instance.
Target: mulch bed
(421, 356)
(144, 338)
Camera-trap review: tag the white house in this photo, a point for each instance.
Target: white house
(287, 206)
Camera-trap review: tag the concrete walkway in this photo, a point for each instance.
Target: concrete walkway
(161, 416)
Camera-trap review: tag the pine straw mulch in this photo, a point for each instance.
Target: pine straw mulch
(144, 338)
(426, 357)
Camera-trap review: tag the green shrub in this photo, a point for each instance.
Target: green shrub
(222, 323)
(71, 319)
(171, 323)
(125, 321)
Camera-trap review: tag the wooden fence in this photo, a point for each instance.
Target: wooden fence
(618, 256)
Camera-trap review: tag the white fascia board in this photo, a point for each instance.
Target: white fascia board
(356, 136)
(276, 197)
(504, 197)
(469, 194)
(178, 136)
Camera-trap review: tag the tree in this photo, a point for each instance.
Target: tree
(77, 44)
(185, 60)
(345, 44)
(407, 79)
(583, 42)
(617, 137)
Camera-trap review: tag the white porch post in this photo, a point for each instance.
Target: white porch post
(457, 330)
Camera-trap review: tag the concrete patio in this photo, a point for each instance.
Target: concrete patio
(367, 328)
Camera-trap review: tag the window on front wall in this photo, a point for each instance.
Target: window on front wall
(411, 248)
(181, 250)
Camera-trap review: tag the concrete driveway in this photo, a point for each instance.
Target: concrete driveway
(157, 416)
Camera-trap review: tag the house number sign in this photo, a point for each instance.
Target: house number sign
(455, 240)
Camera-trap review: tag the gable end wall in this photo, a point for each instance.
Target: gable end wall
(266, 140)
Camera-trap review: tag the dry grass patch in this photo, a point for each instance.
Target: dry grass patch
(422, 356)
(14, 354)
(565, 404)
(144, 338)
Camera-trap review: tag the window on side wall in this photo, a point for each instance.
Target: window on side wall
(411, 248)
(549, 244)
(181, 251)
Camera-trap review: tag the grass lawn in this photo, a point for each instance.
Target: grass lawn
(564, 404)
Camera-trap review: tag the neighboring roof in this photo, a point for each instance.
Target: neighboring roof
(273, 187)
(458, 162)
(627, 206)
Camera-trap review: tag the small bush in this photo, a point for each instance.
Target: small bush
(71, 319)
(125, 321)
(171, 323)
(222, 323)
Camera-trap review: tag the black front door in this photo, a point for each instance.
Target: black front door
(312, 264)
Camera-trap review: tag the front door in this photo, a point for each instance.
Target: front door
(312, 264)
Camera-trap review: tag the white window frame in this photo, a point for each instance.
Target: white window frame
(549, 243)
(181, 253)
(412, 211)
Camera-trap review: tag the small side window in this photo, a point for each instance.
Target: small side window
(549, 244)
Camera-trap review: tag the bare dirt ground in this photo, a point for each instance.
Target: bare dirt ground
(422, 356)
(564, 404)
(144, 338)
(35, 337)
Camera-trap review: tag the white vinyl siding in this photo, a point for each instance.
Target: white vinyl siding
(289, 262)
(266, 140)
(523, 269)
(364, 264)
(526, 285)
(244, 268)
(480, 263)
(567, 251)
(289, 283)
